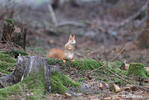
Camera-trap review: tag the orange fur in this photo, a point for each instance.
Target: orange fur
(56, 53)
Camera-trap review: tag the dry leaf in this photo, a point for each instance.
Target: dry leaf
(147, 69)
(116, 88)
(107, 98)
(126, 66)
(67, 95)
(100, 85)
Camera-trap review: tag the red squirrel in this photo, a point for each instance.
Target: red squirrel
(67, 54)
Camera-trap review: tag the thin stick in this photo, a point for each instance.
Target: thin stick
(116, 74)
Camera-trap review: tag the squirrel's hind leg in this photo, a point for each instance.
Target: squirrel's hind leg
(72, 59)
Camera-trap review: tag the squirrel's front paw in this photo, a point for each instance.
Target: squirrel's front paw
(64, 61)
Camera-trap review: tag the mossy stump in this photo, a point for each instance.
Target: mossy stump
(138, 71)
(35, 75)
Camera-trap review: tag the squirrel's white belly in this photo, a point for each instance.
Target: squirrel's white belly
(69, 55)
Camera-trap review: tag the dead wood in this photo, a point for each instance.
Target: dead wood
(13, 33)
(8, 29)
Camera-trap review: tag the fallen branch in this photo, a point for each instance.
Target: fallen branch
(116, 74)
(139, 87)
(56, 24)
(70, 23)
(54, 20)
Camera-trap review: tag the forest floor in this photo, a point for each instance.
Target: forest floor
(126, 52)
(123, 49)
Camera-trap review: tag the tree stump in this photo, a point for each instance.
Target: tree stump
(27, 66)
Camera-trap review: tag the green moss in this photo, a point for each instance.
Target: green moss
(60, 83)
(119, 81)
(117, 64)
(10, 20)
(35, 84)
(120, 71)
(7, 58)
(52, 61)
(6, 67)
(81, 64)
(7, 63)
(86, 64)
(16, 53)
(137, 69)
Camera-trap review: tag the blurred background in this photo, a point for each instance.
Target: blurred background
(105, 29)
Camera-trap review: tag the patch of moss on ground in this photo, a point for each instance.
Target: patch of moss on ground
(16, 53)
(7, 58)
(81, 64)
(52, 61)
(10, 20)
(7, 63)
(119, 81)
(6, 67)
(137, 69)
(35, 84)
(60, 83)
(86, 64)
(116, 64)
